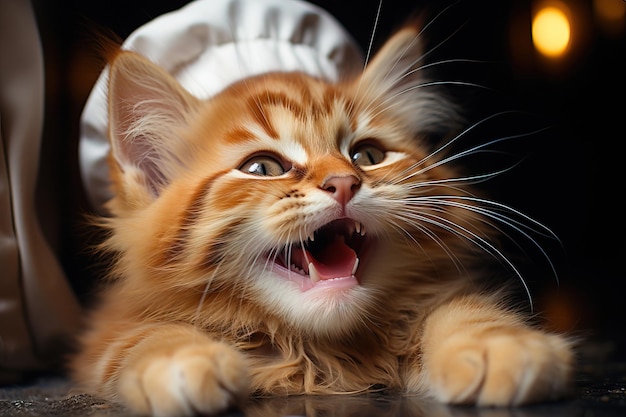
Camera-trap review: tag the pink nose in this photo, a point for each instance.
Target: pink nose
(342, 188)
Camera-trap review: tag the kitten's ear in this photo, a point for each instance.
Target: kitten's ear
(147, 109)
(395, 82)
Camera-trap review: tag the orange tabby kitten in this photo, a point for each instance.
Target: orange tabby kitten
(290, 236)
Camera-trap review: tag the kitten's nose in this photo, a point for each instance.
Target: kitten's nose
(342, 188)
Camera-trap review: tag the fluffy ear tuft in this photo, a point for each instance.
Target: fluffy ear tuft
(395, 82)
(147, 109)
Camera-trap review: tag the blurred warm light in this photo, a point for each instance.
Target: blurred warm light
(551, 31)
(610, 15)
(609, 9)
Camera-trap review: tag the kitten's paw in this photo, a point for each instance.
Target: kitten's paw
(509, 368)
(204, 378)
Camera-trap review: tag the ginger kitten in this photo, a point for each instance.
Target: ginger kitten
(290, 236)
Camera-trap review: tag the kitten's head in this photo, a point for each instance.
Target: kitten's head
(312, 202)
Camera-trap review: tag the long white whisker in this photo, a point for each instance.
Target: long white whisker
(450, 61)
(544, 230)
(368, 54)
(474, 238)
(409, 216)
(371, 42)
(474, 149)
(412, 170)
(462, 134)
(408, 47)
(433, 236)
(392, 99)
(470, 179)
(517, 225)
(204, 293)
(405, 71)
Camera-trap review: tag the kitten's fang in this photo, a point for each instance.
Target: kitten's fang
(356, 266)
(313, 274)
(330, 254)
(315, 277)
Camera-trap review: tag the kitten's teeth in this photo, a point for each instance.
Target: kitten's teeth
(312, 237)
(294, 268)
(362, 232)
(357, 227)
(315, 276)
(356, 265)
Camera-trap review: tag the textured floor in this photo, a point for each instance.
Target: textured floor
(600, 392)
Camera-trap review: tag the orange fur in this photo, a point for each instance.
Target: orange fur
(194, 318)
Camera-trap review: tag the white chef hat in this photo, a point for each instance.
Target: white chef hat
(209, 44)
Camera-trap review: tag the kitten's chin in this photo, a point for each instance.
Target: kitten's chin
(316, 286)
(329, 308)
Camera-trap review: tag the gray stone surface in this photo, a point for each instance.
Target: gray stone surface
(600, 392)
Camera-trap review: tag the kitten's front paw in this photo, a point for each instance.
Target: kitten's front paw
(504, 368)
(204, 378)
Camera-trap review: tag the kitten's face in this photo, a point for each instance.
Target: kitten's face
(307, 199)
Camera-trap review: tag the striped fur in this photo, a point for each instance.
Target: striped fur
(194, 317)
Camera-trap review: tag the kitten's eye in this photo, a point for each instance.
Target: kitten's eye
(367, 154)
(264, 166)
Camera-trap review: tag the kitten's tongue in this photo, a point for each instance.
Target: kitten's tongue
(336, 260)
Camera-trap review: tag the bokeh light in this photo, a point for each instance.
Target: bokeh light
(551, 31)
(610, 16)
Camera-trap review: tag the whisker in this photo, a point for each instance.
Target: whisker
(413, 169)
(205, 292)
(474, 238)
(393, 98)
(463, 133)
(470, 179)
(401, 55)
(544, 230)
(438, 15)
(371, 41)
(473, 150)
(451, 61)
(405, 71)
(367, 55)
(519, 226)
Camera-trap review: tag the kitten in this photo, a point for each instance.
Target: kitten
(290, 236)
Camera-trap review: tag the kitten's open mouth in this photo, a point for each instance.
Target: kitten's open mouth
(330, 257)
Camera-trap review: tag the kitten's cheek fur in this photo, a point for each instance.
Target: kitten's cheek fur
(201, 378)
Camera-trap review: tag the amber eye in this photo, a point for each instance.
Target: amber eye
(366, 154)
(264, 166)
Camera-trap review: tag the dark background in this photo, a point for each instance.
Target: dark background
(569, 176)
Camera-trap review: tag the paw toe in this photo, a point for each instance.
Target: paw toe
(461, 378)
(195, 379)
(501, 370)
